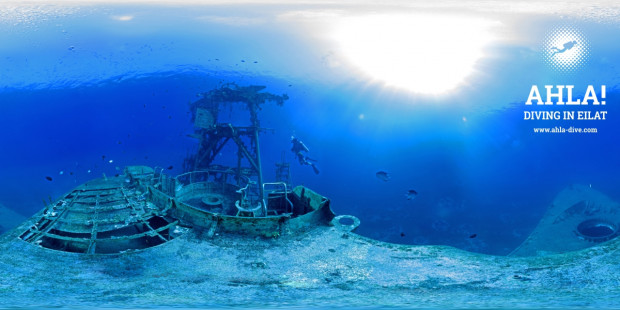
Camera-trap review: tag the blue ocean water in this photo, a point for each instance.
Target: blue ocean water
(86, 90)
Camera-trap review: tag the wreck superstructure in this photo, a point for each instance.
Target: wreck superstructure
(145, 207)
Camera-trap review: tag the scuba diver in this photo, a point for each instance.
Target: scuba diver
(299, 148)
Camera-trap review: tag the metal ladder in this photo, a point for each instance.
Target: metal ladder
(284, 194)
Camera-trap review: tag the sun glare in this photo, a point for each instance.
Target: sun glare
(424, 54)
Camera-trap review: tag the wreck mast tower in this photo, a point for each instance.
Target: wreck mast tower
(213, 135)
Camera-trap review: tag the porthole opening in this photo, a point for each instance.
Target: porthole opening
(597, 230)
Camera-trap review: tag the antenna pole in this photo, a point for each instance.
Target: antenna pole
(260, 172)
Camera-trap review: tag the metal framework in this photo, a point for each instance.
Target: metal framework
(213, 135)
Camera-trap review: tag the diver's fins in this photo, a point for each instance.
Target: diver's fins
(316, 170)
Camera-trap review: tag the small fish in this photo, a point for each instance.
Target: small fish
(402, 234)
(102, 157)
(411, 194)
(48, 178)
(61, 172)
(170, 167)
(111, 161)
(473, 236)
(383, 176)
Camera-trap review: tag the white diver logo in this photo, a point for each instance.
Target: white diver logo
(566, 49)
